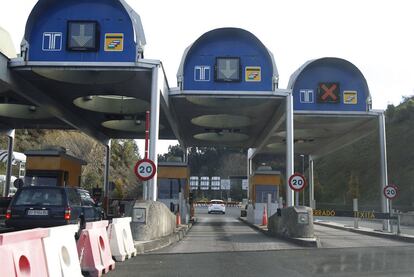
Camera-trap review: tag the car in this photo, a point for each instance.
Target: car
(216, 206)
(48, 206)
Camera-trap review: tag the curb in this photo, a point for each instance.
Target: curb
(315, 243)
(369, 232)
(147, 246)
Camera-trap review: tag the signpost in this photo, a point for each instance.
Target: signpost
(297, 182)
(145, 169)
(391, 192)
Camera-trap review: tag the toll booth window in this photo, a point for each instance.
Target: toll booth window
(83, 36)
(169, 188)
(41, 180)
(263, 191)
(228, 69)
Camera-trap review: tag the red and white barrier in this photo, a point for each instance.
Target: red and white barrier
(120, 239)
(61, 252)
(94, 250)
(22, 253)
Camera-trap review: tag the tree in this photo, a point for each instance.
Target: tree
(173, 151)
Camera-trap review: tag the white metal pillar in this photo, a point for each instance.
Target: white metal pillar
(289, 148)
(154, 129)
(311, 184)
(10, 135)
(385, 207)
(249, 172)
(106, 172)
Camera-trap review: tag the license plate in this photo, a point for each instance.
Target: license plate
(37, 212)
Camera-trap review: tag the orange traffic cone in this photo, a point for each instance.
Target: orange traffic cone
(178, 218)
(264, 218)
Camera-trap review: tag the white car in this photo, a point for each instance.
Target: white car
(216, 206)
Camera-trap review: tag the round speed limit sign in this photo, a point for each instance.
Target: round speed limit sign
(391, 191)
(297, 182)
(145, 169)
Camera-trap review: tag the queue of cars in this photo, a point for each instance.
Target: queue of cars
(48, 206)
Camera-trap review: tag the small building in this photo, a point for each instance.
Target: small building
(53, 167)
(172, 179)
(264, 181)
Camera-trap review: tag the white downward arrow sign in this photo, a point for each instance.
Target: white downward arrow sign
(82, 39)
(228, 71)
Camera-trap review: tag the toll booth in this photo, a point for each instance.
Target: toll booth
(264, 181)
(84, 63)
(228, 95)
(173, 178)
(53, 167)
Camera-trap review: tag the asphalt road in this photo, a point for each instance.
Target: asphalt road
(220, 245)
(218, 233)
(367, 262)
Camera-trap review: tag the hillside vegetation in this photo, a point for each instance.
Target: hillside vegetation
(124, 155)
(354, 171)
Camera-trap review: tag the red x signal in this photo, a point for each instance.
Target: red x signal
(329, 92)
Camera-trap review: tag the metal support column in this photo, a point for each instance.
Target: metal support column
(10, 135)
(385, 208)
(289, 149)
(311, 184)
(106, 175)
(154, 129)
(249, 172)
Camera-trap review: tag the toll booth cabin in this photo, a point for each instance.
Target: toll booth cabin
(264, 181)
(173, 178)
(53, 167)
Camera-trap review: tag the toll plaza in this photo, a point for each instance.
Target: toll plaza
(332, 109)
(82, 66)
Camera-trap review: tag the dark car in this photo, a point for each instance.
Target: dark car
(47, 206)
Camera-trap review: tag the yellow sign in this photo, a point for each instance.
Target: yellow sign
(114, 42)
(323, 212)
(350, 97)
(253, 74)
(365, 214)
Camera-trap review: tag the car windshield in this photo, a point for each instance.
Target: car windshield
(40, 196)
(216, 202)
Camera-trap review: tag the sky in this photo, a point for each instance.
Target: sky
(375, 35)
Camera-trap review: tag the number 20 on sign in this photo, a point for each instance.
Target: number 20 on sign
(145, 169)
(297, 182)
(391, 191)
